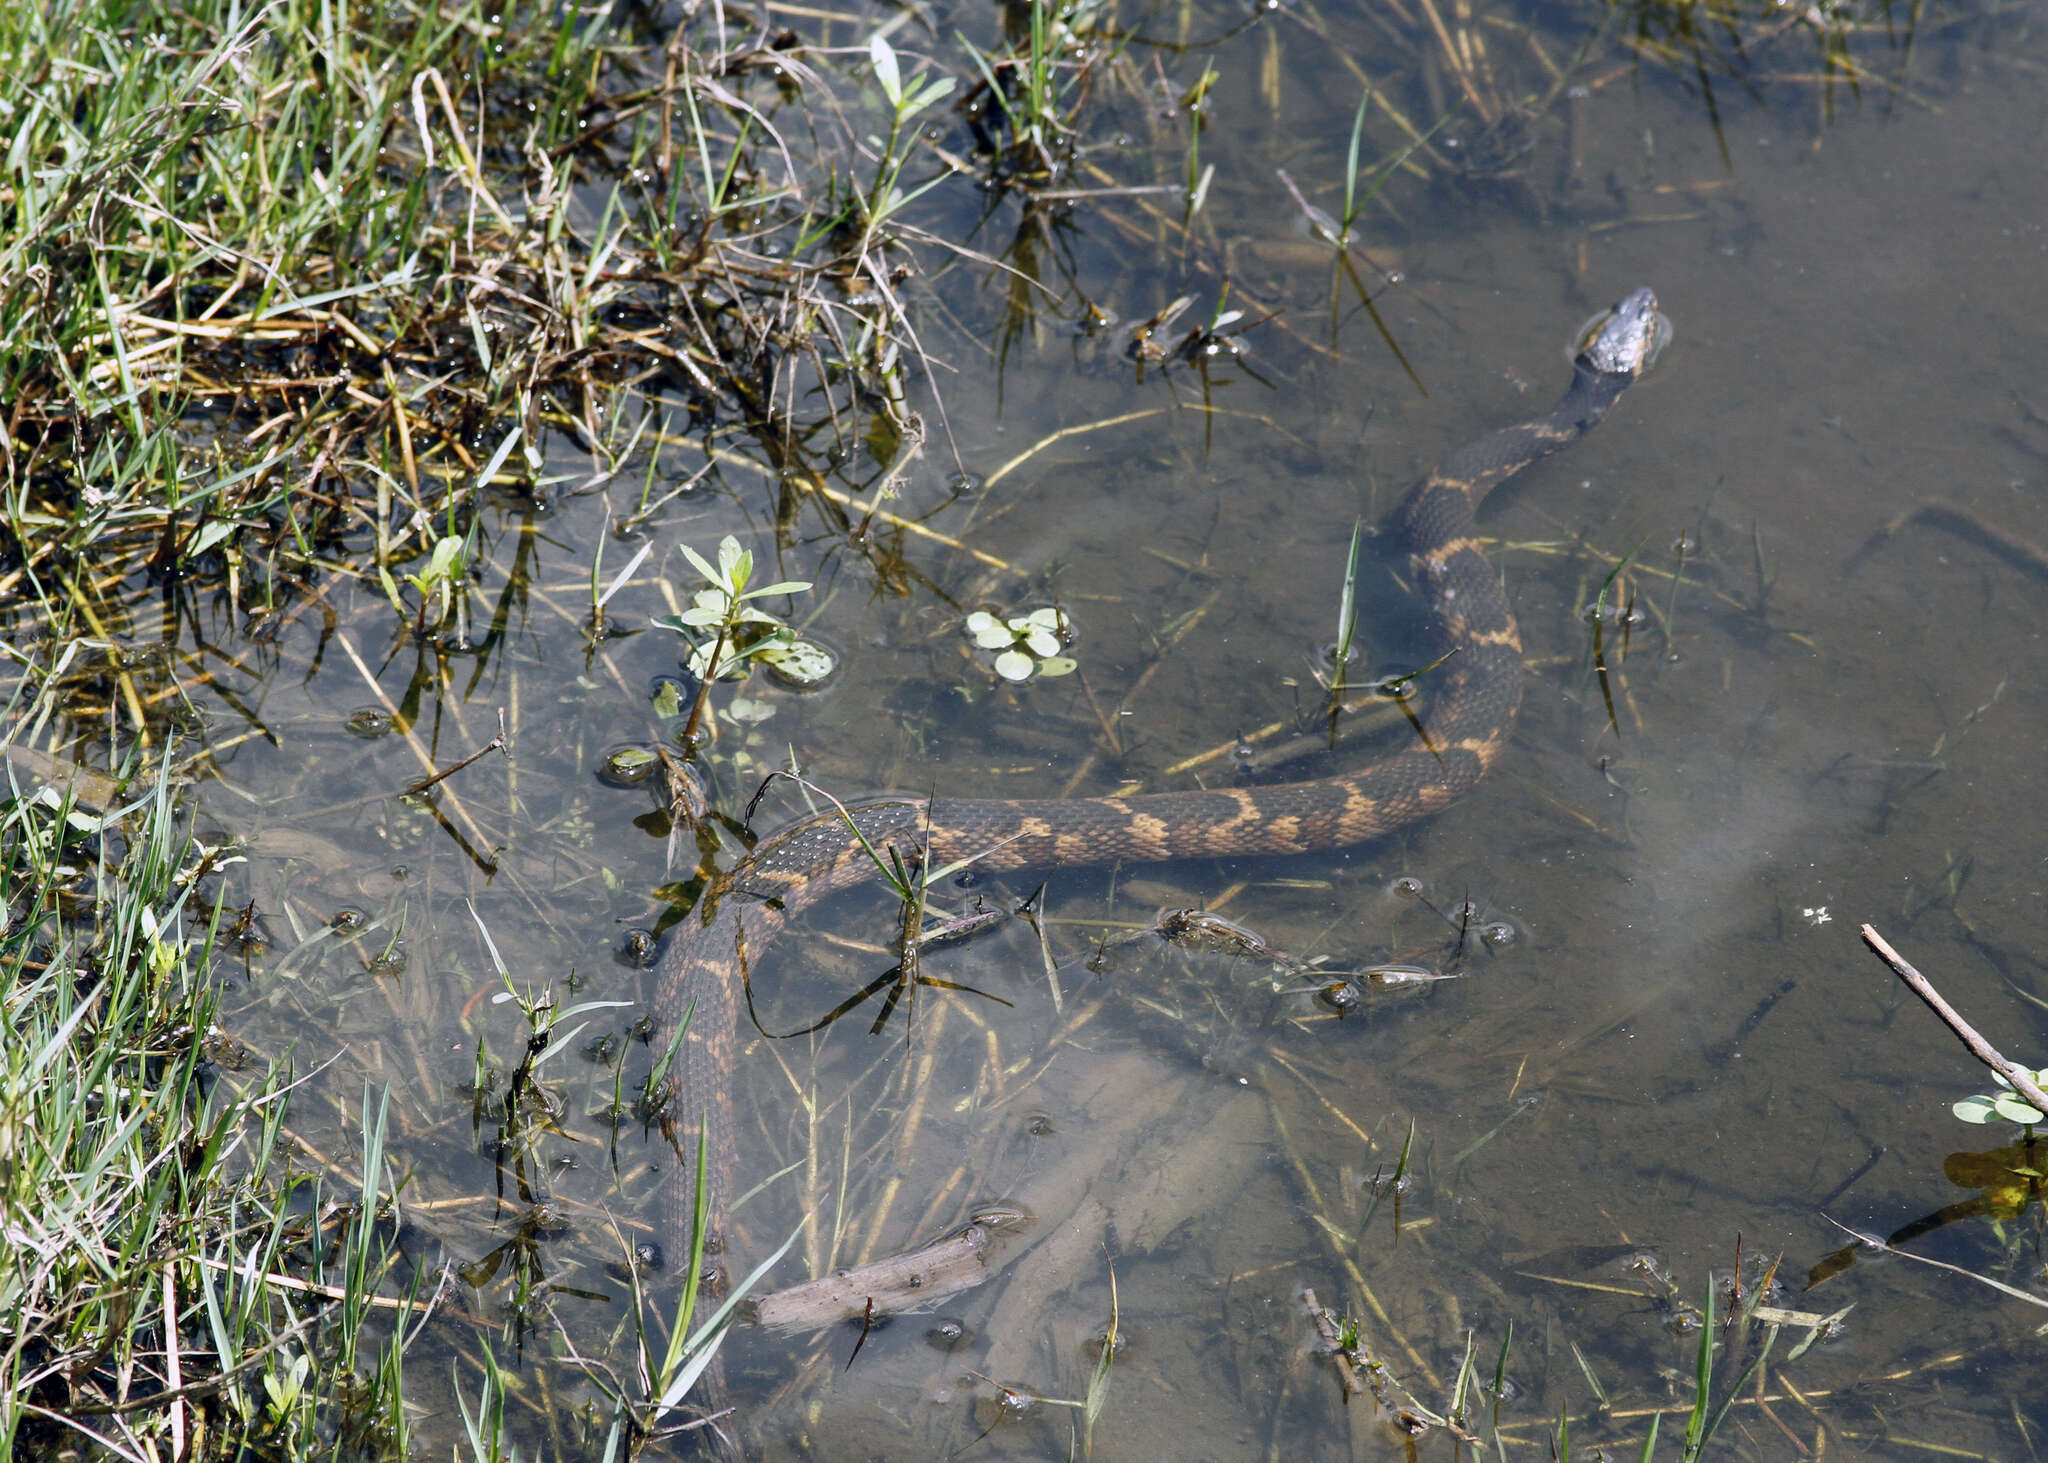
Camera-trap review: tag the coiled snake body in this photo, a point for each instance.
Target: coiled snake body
(1468, 725)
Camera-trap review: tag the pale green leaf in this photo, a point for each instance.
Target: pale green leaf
(1974, 1110)
(2014, 1110)
(735, 565)
(699, 563)
(935, 90)
(443, 558)
(800, 662)
(887, 74)
(210, 535)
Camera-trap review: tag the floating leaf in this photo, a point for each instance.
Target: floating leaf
(1975, 1110)
(2002, 1104)
(2014, 1110)
(1030, 644)
(799, 662)
(628, 766)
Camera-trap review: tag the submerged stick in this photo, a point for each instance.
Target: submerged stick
(900, 1283)
(2020, 1079)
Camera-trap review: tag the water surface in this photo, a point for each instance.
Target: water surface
(1683, 1047)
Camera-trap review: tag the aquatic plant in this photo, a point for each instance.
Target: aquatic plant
(2002, 1105)
(729, 632)
(1025, 645)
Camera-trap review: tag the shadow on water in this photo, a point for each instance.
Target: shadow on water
(1662, 1055)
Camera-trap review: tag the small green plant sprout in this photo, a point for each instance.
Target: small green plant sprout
(1341, 651)
(446, 569)
(1026, 645)
(2003, 1106)
(289, 1400)
(729, 632)
(1199, 177)
(666, 1368)
(599, 598)
(906, 100)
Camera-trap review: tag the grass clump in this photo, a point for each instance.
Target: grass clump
(167, 1285)
(290, 293)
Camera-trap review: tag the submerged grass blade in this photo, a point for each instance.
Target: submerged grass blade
(1599, 627)
(1703, 1382)
(1098, 1381)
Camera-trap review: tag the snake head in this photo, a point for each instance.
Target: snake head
(1625, 341)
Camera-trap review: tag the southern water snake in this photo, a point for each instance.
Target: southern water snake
(1469, 722)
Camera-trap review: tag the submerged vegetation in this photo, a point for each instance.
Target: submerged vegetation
(312, 319)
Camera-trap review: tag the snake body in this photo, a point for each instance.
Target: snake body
(1468, 725)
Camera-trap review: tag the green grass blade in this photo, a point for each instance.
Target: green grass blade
(1703, 1382)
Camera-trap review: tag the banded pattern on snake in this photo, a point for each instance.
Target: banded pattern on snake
(1469, 722)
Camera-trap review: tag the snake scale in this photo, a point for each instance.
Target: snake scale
(1468, 725)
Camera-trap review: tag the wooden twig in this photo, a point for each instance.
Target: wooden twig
(495, 744)
(2020, 1078)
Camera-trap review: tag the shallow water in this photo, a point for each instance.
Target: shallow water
(1684, 1047)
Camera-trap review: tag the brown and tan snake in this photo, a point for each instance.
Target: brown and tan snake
(1467, 727)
